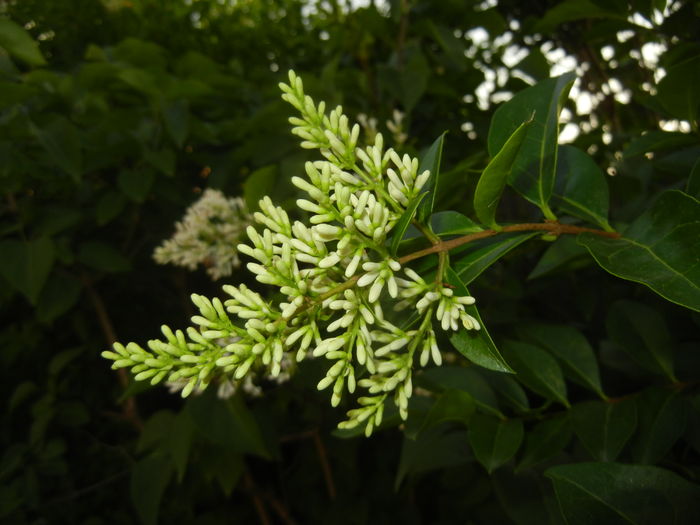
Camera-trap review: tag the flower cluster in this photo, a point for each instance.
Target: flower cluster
(208, 235)
(335, 277)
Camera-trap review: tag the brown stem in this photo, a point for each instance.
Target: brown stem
(325, 465)
(554, 228)
(257, 500)
(130, 410)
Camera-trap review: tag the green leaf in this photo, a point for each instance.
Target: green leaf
(403, 223)
(435, 448)
(662, 419)
(149, 478)
(413, 78)
(534, 169)
(642, 332)
(176, 114)
(62, 141)
(452, 223)
(494, 441)
(604, 428)
(545, 440)
(135, 184)
(562, 255)
(227, 423)
(654, 141)
(18, 43)
(475, 345)
(162, 159)
(452, 405)
(485, 252)
(537, 370)
(571, 10)
(109, 206)
(102, 256)
(581, 188)
(258, 184)
(570, 348)
(508, 389)
(527, 498)
(26, 265)
(678, 91)
(466, 379)
(495, 175)
(57, 297)
(430, 160)
(613, 493)
(659, 249)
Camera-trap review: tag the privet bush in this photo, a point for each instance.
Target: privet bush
(115, 116)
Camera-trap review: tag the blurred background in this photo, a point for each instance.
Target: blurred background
(115, 115)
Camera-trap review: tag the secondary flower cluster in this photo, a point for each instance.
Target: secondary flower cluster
(336, 278)
(208, 234)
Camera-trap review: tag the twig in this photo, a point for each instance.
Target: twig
(257, 500)
(325, 465)
(130, 411)
(554, 228)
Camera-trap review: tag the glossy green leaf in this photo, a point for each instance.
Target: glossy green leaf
(570, 10)
(545, 440)
(604, 428)
(485, 252)
(562, 255)
(26, 265)
(452, 405)
(103, 256)
(613, 493)
(453, 223)
(18, 43)
(570, 348)
(403, 223)
(475, 345)
(659, 249)
(436, 447)
(654, 141)
(527, 497)
(467, 379)
(149, 479)
(581, 189)
(508, 389)
(534, 169)
(63, 143)
(495, 176)
(494, 441)
(537, 370)
(431, 161)
(662, 418)
(227, 423)
(678, 91)
(642, 332)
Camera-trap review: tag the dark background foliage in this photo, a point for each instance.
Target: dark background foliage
(121, 112)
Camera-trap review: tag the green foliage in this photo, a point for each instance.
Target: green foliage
(576, 401)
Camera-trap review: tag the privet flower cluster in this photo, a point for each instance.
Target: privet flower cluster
(338, 282)
(208, 235)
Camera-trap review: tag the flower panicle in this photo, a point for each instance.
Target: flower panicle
(334, 278)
